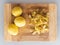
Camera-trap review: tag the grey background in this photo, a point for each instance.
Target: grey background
(2, 42)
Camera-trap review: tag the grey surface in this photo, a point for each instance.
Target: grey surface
(2, 42)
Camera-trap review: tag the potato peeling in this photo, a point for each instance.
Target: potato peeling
(39, 18)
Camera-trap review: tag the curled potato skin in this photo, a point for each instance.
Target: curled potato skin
(40, 21)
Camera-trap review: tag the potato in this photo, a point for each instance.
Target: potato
(12, 29)
(20, 21)
(16, 11)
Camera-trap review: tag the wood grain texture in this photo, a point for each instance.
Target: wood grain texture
(24, 34)
(7, 21)
(52, 22)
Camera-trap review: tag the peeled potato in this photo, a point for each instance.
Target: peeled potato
(12, 29)
(20, 21)
(16, 11)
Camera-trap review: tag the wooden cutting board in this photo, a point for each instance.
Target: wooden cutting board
(24, 34)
